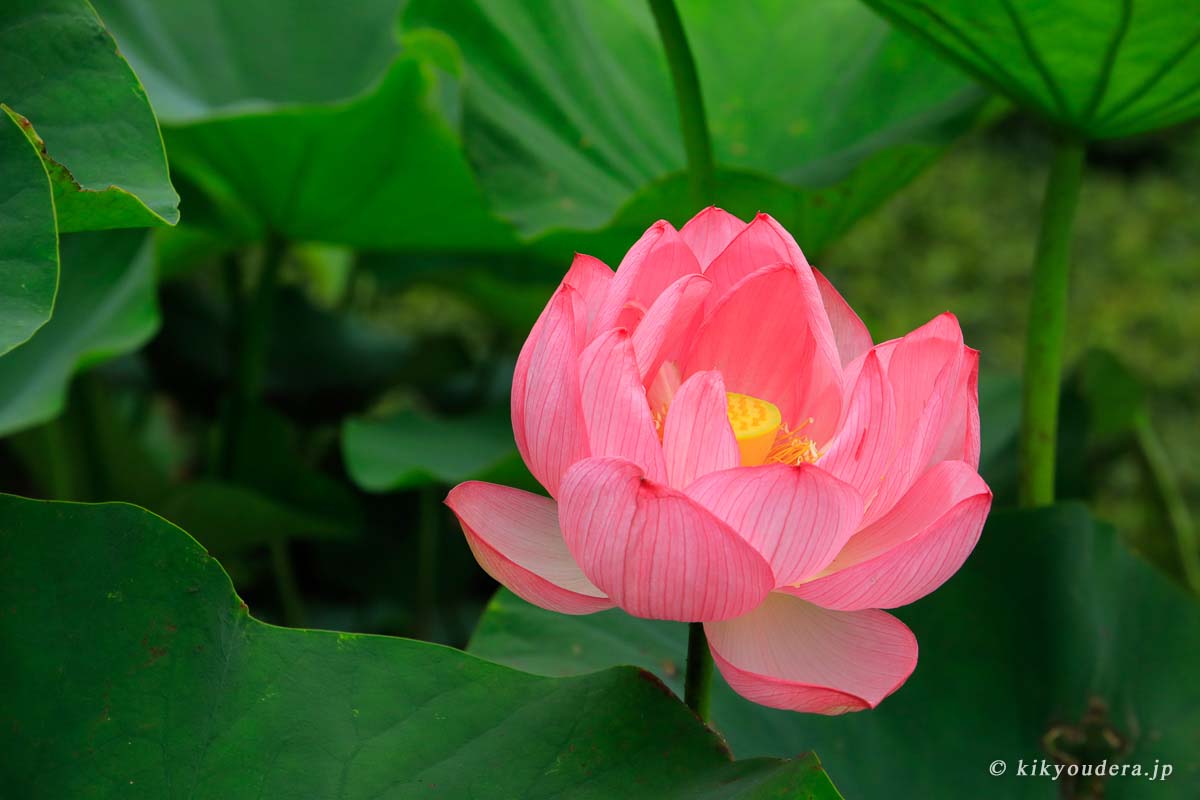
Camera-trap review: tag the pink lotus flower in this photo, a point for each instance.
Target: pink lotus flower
(722, 443)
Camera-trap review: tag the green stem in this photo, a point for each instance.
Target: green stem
(697, 683)
(1159, 466)
(697, 143)
(250, 329)
(1046, 327)
(85, 413)
(285, 581)
(427, 536)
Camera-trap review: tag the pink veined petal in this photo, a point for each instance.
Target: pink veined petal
(515, 538)
(797, 656)
(710, 232)
(865, 443)
(547, 413)
(671, 320)
(655, 261)
(654, 551)
(916, 361)
(926, 369)
(797, 517)
(971, 449)
(615, 408)
(661, 392)
(849, 333)
(763, 343)
(697, 437)
(959, 440)
(758, 245)
(590, 277)
(912, 550)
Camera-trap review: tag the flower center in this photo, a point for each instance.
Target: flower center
(755, 424)
(761, 435)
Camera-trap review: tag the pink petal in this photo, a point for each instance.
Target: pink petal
(590, 277)
(763, 343)
(653, 550)
(928, 370)
(515, 538)
(864, 445)
(912, 550)
(761, 243)
(959, 440)
(798, 517)
(918, 359)
(697, 437)
(710, 232)
(793, 655)
(670, 321)
(617, 414)
(654, 262)
(547, 414)
(849, 333)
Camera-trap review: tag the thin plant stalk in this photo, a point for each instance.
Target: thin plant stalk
(697, 686)
(1046, 327)
(250, 334)
(697, 143)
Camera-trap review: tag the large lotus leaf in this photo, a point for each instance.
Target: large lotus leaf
(1050, 619)
(334, 132)
(28, 238)
(132, 670)
(1101, 69)
(818, 110)
(88, 115)
(79, 150)
(106, 306)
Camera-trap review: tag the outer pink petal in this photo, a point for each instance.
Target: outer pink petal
(515, 538)
(849, 333)
(761, 340)
(918, 359)
(653, 550)
(590, 277)
(864, 445)
(798, 517)
(672, 319)
(911, 551)
(793, 655)
(617, 414)
(547, 414)
(697, 437)
(928, 370)
(959, 440)
(710, 232)
(654, 262)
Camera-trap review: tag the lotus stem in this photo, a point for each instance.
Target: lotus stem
(427, 536)
(250, 336)
(1158, 463)
(697, 683)
(1046, 327)
(697, 143)
(251, 328)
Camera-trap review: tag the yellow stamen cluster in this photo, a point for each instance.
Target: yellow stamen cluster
(792, 447)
